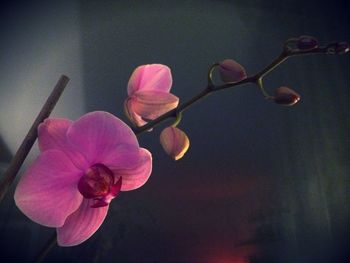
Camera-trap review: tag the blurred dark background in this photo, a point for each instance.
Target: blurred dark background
(260, 183)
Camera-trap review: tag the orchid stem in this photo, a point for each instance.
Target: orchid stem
(211, 87)
(22, 152)
(178, 119)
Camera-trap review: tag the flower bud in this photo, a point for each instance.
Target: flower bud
(286, 96)
(231, 71)
(175, 142)
(307, 43)
(342, 47)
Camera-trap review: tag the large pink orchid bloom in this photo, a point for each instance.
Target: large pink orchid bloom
(83, 165)
(149, 93)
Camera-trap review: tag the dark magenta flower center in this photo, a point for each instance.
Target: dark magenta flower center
(98, 183)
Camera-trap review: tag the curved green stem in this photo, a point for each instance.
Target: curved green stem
(259, 83)
(210, 74)
(178, 119)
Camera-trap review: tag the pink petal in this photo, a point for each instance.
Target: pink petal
(82, 224)
(130, 113)
(132, 163)
(47, 192)
(156, 77)
(124, 156)
(97, 134)
(151, 104)
(137, 175)
(52, 135)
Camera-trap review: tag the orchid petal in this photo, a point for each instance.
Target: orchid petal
(82, 224)
(98, 133)
(156, 77)
(47, 192)
(132, 164)
(52, 135)
(123, 156)
(130, 113)
(137, 175)
(151, 104)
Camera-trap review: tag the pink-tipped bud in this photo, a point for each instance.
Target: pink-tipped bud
(307, 43)
(286, 96)
(231, 71)
(175, 142)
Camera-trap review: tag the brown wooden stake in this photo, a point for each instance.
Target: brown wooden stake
(22, 152)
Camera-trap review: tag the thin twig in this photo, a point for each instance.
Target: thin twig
(22, 152)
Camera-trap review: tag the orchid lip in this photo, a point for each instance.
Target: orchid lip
(98, 184)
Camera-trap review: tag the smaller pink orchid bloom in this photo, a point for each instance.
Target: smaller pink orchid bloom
(175, 142)
(83, 165)
(149, 94)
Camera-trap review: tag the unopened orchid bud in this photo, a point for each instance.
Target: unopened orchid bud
(342, 47)
(175, 142)
(307, 42)
(286, 96)
(231, 71)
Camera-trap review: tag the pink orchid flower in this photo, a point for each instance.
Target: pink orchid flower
(149, 93)
(83, 165)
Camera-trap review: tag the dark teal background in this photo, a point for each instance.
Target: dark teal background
(260, 183)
